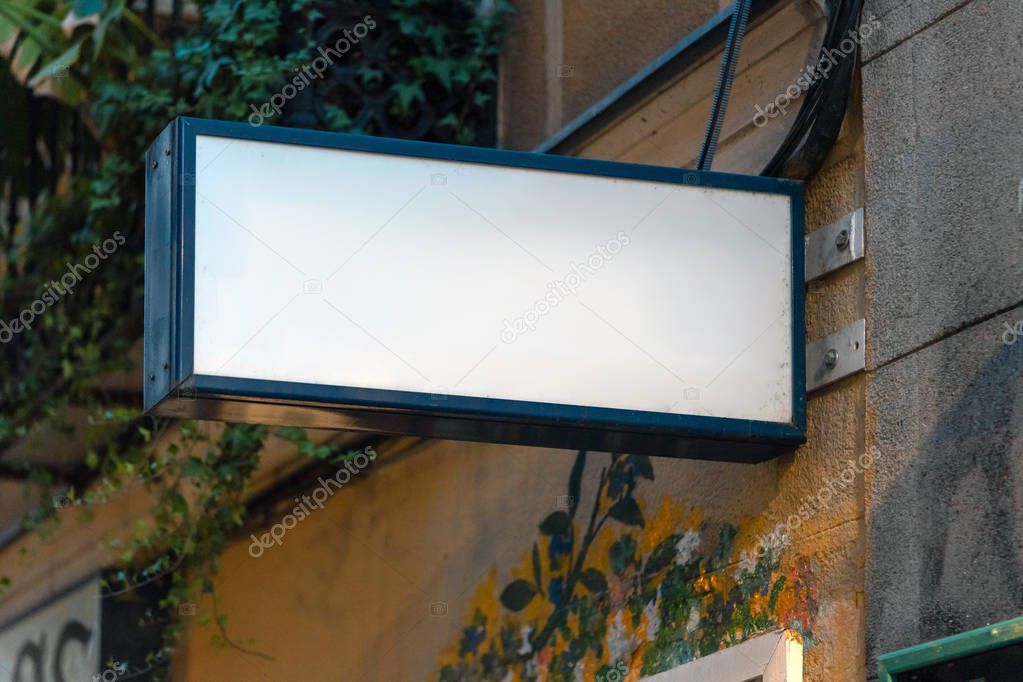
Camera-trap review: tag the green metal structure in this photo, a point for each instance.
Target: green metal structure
(890, 666)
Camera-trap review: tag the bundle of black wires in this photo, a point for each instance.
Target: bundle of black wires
(819, 118)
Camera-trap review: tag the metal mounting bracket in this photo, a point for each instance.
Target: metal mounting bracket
(834, 246)
(836, 356)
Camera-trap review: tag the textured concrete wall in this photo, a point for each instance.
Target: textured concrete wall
(944, 163)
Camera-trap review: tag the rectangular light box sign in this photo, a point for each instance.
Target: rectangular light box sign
(303, 278)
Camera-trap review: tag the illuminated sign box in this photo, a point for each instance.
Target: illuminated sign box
(335, 281)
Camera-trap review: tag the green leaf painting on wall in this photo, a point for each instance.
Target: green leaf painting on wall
(626, 587)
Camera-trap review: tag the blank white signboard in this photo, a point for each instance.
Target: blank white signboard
(454, 278)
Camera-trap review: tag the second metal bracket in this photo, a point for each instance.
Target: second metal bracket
(836, 356)
(834, 246)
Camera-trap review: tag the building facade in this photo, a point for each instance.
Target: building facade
(898, 522)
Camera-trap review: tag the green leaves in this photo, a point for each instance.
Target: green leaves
(622, 553)
(517, 595)
(643, 467)
(662, 556)
(194, 468)
(307, 448)
(369, 75)
(337, 118)
(594, 581)
(406, 95)
(178, 504)
(448, 71)
(450, 50)
(59, 65)
(48, 46)
(557, 523)
(627, 511)
(776, 589)
(723, 552)
(575, 482)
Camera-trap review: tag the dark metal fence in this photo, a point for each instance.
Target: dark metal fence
(41, 141)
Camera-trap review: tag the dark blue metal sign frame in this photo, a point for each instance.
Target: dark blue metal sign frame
(171, 387)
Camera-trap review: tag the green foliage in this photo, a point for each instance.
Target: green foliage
(446, 63)
(57, 47)
(126, 85)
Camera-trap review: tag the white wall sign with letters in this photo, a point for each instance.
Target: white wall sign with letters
(58, 641)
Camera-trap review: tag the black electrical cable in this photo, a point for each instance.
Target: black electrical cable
(819, 119)
(729, 61)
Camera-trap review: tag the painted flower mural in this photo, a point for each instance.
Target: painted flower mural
(618, 593)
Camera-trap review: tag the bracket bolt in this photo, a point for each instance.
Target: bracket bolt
(831, 358)
(842, 240)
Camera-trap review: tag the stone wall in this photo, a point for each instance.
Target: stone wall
(944, 165)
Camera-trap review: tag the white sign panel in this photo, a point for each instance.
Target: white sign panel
(439, 283)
